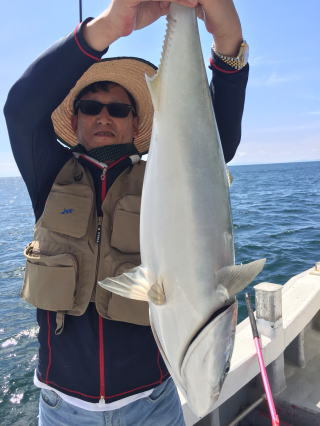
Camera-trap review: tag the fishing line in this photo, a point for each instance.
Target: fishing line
(80, 10)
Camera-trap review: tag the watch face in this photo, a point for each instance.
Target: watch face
(244, 53)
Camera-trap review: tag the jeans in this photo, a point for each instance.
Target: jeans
(161, 408)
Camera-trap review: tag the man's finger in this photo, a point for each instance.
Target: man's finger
(187, 3)
(200, 12)
(164, 4)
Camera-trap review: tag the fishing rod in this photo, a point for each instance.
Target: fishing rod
(266, 385)
(80, 10)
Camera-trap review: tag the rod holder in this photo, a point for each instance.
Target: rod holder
(268, 298)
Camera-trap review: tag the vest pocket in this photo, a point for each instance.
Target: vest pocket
(68, 209)
(49, 281)
(117, 308)
(126, 221)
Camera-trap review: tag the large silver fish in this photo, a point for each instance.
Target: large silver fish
(187, 273)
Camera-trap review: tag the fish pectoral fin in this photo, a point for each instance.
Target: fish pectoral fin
(234, 278)
(132, 284)
(135, 284)
(156, 294)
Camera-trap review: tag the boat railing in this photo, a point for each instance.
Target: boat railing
(282, 314)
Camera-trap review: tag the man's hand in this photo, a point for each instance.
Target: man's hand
(124, 16)
(222, 21)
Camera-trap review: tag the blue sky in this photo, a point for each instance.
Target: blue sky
(282, 113)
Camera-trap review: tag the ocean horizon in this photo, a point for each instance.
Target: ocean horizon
(229, 165)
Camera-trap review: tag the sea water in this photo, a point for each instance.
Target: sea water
(276, 213)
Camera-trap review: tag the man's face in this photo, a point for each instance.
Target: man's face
(98, 130)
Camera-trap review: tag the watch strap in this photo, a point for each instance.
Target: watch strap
(235, 62)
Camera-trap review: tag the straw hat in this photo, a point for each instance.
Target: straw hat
(129, 72)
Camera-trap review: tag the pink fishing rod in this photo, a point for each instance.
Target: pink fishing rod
(256, 338)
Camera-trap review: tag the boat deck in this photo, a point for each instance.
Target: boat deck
(299, 403)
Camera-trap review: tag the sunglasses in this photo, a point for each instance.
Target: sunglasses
(115, 109)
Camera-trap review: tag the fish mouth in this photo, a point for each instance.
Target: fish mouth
(214, 326)
(207, 359)
(211, 318)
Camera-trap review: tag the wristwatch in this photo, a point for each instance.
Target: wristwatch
(238, 61)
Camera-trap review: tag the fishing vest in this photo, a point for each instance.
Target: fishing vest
(73, 248)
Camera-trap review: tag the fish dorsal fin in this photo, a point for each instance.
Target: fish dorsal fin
(135, 284)
(233, 279)
(154, 82)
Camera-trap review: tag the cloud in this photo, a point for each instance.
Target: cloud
(285, 128)
(264, 61)
(313, 113)
(276, 151)
(242, 154)
(273, 79)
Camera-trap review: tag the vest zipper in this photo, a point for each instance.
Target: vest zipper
(98, 237)
(98, 241)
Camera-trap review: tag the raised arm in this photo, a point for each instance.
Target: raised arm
(228, 85)
(30, 104)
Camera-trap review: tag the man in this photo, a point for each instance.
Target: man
(98, 362)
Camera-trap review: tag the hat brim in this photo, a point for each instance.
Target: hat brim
(130, 73)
